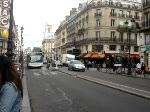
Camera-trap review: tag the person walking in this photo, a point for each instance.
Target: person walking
(11, 90)
(143, 68)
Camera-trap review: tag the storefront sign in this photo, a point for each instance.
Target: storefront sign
(5, 13)
(147, 48)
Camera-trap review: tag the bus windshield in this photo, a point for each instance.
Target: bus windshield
(36, 59)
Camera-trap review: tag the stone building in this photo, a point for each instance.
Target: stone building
(93, 27)
(145, 48)
(48, 42)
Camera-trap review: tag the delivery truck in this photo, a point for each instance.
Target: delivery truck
(66, 58)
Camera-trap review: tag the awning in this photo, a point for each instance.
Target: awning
(102, 56)
(95, 55)
(82, 55)
(132, 56)
(88, 55)
(137, 56)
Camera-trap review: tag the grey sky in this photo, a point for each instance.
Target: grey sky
(33, 15)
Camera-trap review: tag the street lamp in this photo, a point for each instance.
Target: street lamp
(9, 52)
(129, 30)
(21, 52)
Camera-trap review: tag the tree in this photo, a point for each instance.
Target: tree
(36, 49)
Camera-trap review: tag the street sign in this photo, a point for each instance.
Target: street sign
(147, 48)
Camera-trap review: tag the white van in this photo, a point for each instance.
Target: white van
(66, 58)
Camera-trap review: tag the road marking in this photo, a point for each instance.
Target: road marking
(54, 73)
(36, 74)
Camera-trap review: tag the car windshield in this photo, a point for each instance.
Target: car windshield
(77, 62)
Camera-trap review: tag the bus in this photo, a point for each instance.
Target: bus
(35, 60)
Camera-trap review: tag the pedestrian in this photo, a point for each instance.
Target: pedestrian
(138, 68)
(11, 90)
(143, 68)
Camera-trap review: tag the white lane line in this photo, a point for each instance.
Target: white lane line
(64, 95)
(36, 74)
(54, 73)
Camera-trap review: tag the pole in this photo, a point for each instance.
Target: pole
(9, 52)
(129, 64)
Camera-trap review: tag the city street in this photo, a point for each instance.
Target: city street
(55, 91)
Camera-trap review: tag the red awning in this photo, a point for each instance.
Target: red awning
(88, 55)
(95, 55)
(132, 56)
(137, 56)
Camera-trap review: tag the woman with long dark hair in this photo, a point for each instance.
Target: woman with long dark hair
(11, 90)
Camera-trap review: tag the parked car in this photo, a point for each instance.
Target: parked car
(58, 62)
(44, 61)
(76, 65)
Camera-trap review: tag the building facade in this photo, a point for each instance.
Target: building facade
(145, 48)
(94, 27)
(48, 42)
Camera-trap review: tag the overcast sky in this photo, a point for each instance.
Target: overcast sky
(33, 15)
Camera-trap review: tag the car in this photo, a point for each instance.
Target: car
(44, 61)
(76, 65)
(58, 62)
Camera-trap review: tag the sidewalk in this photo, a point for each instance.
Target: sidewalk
(25, 100)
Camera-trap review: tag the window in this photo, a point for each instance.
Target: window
(98, 12)
(97, 48)
(136, 48)
(147, 39)
(97, 35)
(112, 22)
(98, 22)
(112, 34)
(112, 11)
(49, 29)
(112, 47)
(121, 36)
(122, 47)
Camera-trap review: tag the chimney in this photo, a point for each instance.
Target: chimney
(73, 11)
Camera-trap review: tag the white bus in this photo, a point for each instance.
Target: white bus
(35, 60)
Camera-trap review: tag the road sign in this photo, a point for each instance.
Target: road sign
(147, 48)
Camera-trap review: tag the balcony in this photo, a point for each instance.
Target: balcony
(113, 14)
(146, 25)
(146, 5)
(128, 16)
(122, 15)
(111, 40)
(98, 14)
(137, 17)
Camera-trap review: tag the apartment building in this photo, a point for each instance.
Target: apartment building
(48, 42)
(93, 27)
(145, 48)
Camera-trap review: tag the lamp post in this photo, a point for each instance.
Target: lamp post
(9, 52)
(129, 30)
(21, 52)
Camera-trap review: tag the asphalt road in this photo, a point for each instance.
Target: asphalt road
(52, 91)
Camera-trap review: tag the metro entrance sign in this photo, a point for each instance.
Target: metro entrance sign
(147, 48)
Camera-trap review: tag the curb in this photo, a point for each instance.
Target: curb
(25, 101)
(133, 91)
